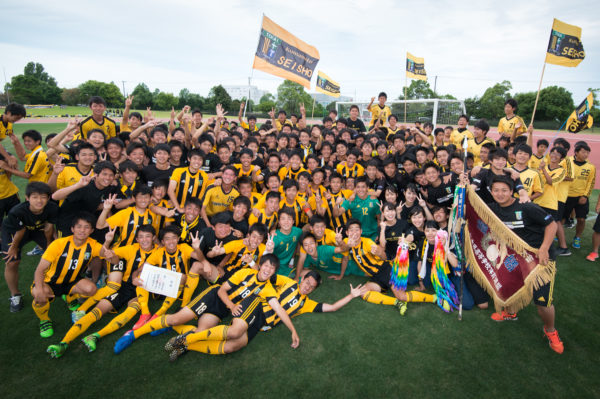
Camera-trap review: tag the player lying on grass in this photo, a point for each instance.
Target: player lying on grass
(60, 271)
(127, 261)
(255, 315)
(218, 301)
(370, 257)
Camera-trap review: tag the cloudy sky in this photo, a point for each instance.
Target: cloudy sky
(469, 45)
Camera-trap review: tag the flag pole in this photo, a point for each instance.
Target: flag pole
(252, 69)
(405, 84)
(537, 97)
(461, 235)
(312, 114)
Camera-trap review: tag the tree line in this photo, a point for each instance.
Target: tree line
(36, 86)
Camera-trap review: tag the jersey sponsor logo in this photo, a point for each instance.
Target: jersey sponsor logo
(519, 215)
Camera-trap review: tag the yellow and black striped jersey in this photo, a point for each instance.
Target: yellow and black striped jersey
(507, 126)
(238, 249)
(300, 217)
(534, 162)
(381, 113)
(583, 179)
(361, 254)
(178, 261)
(128, 221)
(329, 204)
(7, 187)
(291, 301)
(269, 221)
(245, 282)
(108, 126)
(216, 200)
(189, 184)
(68, 261)
(346, 171)
(549, 197)
(37, 165)
(562, 190)
(160, 221)
(475, 148)
(134, 258)
(6, 129)
(246, 126)
(457, 137)
(289, 173)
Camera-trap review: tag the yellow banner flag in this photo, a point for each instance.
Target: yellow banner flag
(565, 47)
(282, 54)
(580, 118)
(327, 86)
(415, 67)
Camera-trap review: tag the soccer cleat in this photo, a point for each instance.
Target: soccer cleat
(57, 351)
(46, 330)
(175, 353)
(90, 341)
(563, 252)
(592, 256)
(569, 224)
(576, 242)
(16, 303)
(554, 341)
(73, 305)
(144, 318)
(160, 332)
(35, 251)
(124, 342)
(401, 307)
(504, 315)
(76, 315)
(175, 342)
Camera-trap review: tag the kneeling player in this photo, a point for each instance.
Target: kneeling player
(370, 257)
(256, 316)
(60, 269)
(217, 301)
(128, 261)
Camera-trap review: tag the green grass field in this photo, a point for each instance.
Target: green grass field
(363, 350)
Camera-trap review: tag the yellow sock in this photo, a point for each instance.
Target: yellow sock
(41, 311)
(379, 299)
(191, 283)
(72, 297)
(416, 296)
(110, 288)
(182, 329)
(143, 297)
(218, 333)
(156, 324)
(82, 325)
(120, 320)
(208, 347)
(166, 305)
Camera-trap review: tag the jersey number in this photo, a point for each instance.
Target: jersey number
(73, 264)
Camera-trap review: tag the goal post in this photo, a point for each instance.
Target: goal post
(440, 112)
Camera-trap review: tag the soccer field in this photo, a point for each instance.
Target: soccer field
(364, 350)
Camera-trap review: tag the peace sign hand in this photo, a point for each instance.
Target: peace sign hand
(110, 201)
(422, 202)
(196, 240)
(270, 246)
(110, 234)
(338, 235)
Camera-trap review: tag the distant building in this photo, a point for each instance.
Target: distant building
(239, 92)
(325, 100)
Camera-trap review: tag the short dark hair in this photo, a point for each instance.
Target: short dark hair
(512, 102)
(16, 109)
(271, 258)
(193, 201)
(37, 187)
(273, 194)
(100, 166)
(161, 182)
(483, 125)
(127, 165)
(523, 148)
(498, 153)
(196, 152)
(259, 228)
(96, 100)
(352, 222)
(221, 218)
(560, 150)
(162, 147)
(32, 134)
(582, 146)
(431, 224)
(115, 141)
(169, 229)
(85, 216)
(503, 179)
(542, 142)
(382, 94)
(145, 228)
(141, 189)
(289, 183)
(314, 274)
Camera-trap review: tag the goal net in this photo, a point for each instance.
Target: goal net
(438, 111)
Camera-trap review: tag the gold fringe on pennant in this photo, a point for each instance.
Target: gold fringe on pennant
(539, 276)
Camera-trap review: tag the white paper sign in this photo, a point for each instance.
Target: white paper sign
(160, 281)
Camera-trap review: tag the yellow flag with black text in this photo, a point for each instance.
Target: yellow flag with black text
(327, 86)
(282, 54)
(581, 118)
(415, 67)
(565, 47)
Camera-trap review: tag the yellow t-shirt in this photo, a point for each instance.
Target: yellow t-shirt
(108, 126)
(475, 148)
(7, 187)
(37, 165)
(457, 137)
(216, 200)
(549, 197)
(377, 112)
(507, 126)
(70, 175)
(128, 221)
(583, 179)
(6, 129)
(531, 180)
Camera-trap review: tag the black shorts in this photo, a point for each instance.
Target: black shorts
(382, 278)
(477, 292)
(6, 205)
(561, 210)
(36, 236)
(119, 267)
(597, 224)
(543, 295)
(122, 296)
(227, 275)
(581, 210)
(59, 289)
(553, 213)
(209, 302)
(253, 315)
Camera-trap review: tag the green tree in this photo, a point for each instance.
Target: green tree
(164, 101)
(525, 102)
(218, 95)
(34, 86)
(290, 95)
(491, 104)
(70, 96)
(142, 97)
(266, 103)
(555, 104)
(110, 92)
(418, 89)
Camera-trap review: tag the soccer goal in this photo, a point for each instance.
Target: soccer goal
(440, 112)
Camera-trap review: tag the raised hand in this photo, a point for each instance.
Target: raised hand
(242, 105)
(110, 201)
(128, 101)
(270, 245)
(84, 181)
(272, 113)
(422, 202)
(196, 240)
(339, 237)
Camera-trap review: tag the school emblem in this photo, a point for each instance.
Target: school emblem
(519, 215)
